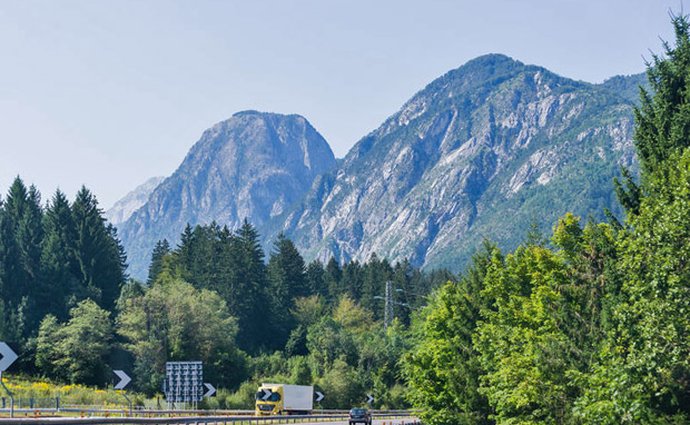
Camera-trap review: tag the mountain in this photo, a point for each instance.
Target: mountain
(254, 165)
(132, 201)
(481, 152)
(627, 86)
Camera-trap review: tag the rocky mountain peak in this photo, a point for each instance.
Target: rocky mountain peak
(254, 165)
(483, 142)
(482, 150)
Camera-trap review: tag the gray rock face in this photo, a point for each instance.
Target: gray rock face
(479, 153)
(131, 202)
(254, 166)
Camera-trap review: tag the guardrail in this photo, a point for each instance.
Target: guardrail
(196, 420)
(93, 411)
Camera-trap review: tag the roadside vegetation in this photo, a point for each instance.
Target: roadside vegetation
(591, 326)
(73, 315)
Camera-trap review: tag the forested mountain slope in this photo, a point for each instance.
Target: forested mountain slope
(482, 151)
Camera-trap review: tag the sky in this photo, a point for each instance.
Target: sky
(109, 93)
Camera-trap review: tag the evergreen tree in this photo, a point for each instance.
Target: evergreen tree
(332, 278)
(315, 276)
(251, 273)
(15, 276)
(352, 280)
(287, 264)
(99, 255)
(287, 281)
(376, 274)
(161, 249)
(662, 121)
(183, 253)
(59, 283)
(21, 233)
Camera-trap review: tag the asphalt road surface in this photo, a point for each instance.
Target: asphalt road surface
(405, 421)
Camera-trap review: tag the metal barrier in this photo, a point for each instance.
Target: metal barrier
(196, 420)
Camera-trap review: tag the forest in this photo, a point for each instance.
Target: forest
(70, 310)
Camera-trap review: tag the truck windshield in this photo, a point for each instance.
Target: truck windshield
(273, 397)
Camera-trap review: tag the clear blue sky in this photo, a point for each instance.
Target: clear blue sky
(109, 93)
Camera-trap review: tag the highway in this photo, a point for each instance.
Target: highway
(201, 420)
(404, 421)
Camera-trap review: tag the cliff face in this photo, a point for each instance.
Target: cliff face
(254, 166)
(479, 153)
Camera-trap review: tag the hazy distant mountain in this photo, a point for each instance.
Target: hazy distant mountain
(254, 165)
(132, 201)
(481, 152)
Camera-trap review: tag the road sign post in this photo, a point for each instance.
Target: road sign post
(184, 383)
(124, 380)
(7, 357)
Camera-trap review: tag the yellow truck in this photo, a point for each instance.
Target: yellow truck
(284, 399)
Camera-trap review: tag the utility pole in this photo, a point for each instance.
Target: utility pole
(388, 309)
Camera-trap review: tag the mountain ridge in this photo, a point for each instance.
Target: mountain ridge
(310, 229)
(489, 138)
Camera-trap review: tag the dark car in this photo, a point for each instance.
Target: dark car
(360, 415)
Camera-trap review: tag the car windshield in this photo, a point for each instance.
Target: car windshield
(358, 411)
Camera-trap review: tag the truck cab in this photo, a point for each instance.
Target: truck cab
(269, 400)
(284, 399)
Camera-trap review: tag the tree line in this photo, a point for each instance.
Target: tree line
(51, 259)
(592, 326)
(70, 310)
(289, 321)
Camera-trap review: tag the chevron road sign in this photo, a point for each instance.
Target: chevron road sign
(7, 356)
(211, 390)
(124, 379)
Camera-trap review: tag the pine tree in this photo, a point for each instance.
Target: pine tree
(287, 264)
(21, 234)
(316, 281)
(352, 280)
(332, 278)
(15, 275)
(98, 253)
(662, 122)
(376, 274)
(287, 281)
(161, 249)
(252, 313)
(183, 252)
(59, 282)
